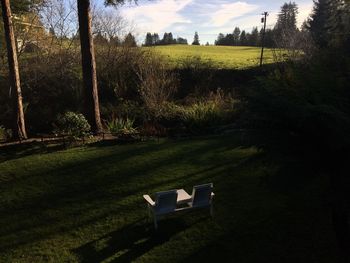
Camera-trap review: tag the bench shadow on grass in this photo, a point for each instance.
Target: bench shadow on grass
(130, 242)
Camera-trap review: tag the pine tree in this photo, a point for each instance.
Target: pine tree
(196, 39)
(130, 40)
(318, 24)
(254, 37)
(243, 38)
(236, 35)
(286, 28)
(219, 41)
(149, 40)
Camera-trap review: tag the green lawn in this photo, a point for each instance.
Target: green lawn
(219, 56)
(85, 205)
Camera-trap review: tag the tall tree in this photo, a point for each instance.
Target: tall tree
(19, 123)
(91, 101)
(317, 24)
(329, 23)
(243, 38)
(155, 39)
(130, 40)
(236, 35)
(149, 40)
(286, 26)
(254, 37)
(196, 39)
(220, 40)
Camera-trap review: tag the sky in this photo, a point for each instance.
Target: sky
(208, 17)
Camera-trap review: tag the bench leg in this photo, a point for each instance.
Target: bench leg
(211, 209)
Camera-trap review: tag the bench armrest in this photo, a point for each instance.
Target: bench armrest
(149, 200)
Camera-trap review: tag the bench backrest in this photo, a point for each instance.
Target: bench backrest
(201, 195)
(165, 202)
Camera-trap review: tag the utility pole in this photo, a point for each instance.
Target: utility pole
(263, 20)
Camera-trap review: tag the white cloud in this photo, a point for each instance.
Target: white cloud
(304, 12)
(227, 12)
(157, 16)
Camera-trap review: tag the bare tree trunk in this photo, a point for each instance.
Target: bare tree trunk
(91, 101)
(19, 123)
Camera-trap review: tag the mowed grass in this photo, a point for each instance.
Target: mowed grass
(219, 56)
(85, 205)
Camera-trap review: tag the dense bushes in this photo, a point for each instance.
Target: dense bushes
(133, 83)
(73, 124)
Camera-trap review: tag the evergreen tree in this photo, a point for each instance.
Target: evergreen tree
(149, 40)
(254, 37)
(269, 38)
(236, 35)
(99, 39)
(220, 40)
(130, 41)
(286, 26)
(318, 23)
(155, 39)
(114, 41)
(329, 23)
(182, 41)
(243, 39)
(196, 39)
(168, 39)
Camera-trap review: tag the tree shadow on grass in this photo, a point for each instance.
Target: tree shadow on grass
(130, 242)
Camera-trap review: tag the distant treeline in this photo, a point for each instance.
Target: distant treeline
(285, 30)
(242, 38)
(168, 39)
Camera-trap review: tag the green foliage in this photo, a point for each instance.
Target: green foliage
(121, 126)
(201, 116)
(73, 124)
(5, 134)
(196, 40)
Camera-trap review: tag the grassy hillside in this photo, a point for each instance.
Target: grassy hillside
(85, 205)
(220, 56)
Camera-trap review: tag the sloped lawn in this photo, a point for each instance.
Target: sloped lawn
(85, 205)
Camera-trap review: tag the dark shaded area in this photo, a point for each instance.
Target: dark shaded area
(79, 194)
(130, 242)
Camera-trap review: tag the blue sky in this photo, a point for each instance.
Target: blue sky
(208, 17)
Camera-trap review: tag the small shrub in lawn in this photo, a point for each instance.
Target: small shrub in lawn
(120, 126)
(73, 124)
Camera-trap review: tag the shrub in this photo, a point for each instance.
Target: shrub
(157, 84)
(5, 134)
(202, 115)
(73, 124)
(121, 126)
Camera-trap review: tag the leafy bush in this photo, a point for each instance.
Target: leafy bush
(73, 124)
(5, 134)
(121, 126)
